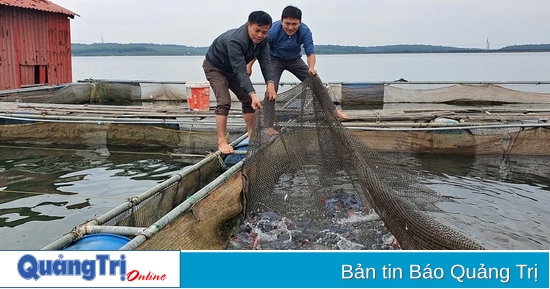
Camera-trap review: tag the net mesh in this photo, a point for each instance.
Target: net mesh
(207, 226)
(129, 92)
(314, 148)
(150, 210)
(73, 93)
(463, 93)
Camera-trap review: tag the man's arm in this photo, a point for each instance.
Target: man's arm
(307, 39)
(311, 60)
(264, 58)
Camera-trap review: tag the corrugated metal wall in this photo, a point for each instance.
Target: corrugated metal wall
(35, 48)
(60, 64)
(8, 65)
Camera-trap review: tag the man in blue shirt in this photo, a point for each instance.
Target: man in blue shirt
(225, 68)
(286, 38)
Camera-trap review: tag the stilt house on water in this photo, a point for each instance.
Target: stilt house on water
(35, 43)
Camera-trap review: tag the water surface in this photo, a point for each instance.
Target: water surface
(45, 192)
(530, 66)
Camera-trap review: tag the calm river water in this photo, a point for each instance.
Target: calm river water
(45, 192)
(336, 68)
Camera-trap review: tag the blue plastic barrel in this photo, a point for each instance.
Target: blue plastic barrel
(100, 241)
(232, 159)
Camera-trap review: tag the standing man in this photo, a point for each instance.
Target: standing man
(225, 67)
(286, 38)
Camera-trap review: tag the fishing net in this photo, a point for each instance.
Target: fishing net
(315, 174)
(463, 93)
(68, 94)
(149, 210)
(408, 95)
(131, 92)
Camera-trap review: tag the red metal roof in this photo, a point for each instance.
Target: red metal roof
(42, 5)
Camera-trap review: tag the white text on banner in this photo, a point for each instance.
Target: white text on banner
(365, 269)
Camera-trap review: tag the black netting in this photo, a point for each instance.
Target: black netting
(313, 169)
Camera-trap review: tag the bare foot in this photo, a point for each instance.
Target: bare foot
(225, 148)
(339, 114)
(271, 131)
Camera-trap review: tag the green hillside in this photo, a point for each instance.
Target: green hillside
(136, 49)
(114, 49)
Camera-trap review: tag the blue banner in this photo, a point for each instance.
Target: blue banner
(364, 269)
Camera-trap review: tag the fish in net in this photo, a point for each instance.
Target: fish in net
(314, 185)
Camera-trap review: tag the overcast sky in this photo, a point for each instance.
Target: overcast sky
(458, 23)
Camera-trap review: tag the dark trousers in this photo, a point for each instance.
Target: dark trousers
(221, 82)
(297, 67)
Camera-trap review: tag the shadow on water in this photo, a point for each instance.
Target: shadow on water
(27, 214)
(45, 192)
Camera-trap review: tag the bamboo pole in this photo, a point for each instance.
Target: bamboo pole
(119, 230)
(534, 82)
(182, 208)
(74, 235)
(440, 126)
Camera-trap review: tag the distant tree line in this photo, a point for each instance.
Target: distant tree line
(527, 47)
(136, 49)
